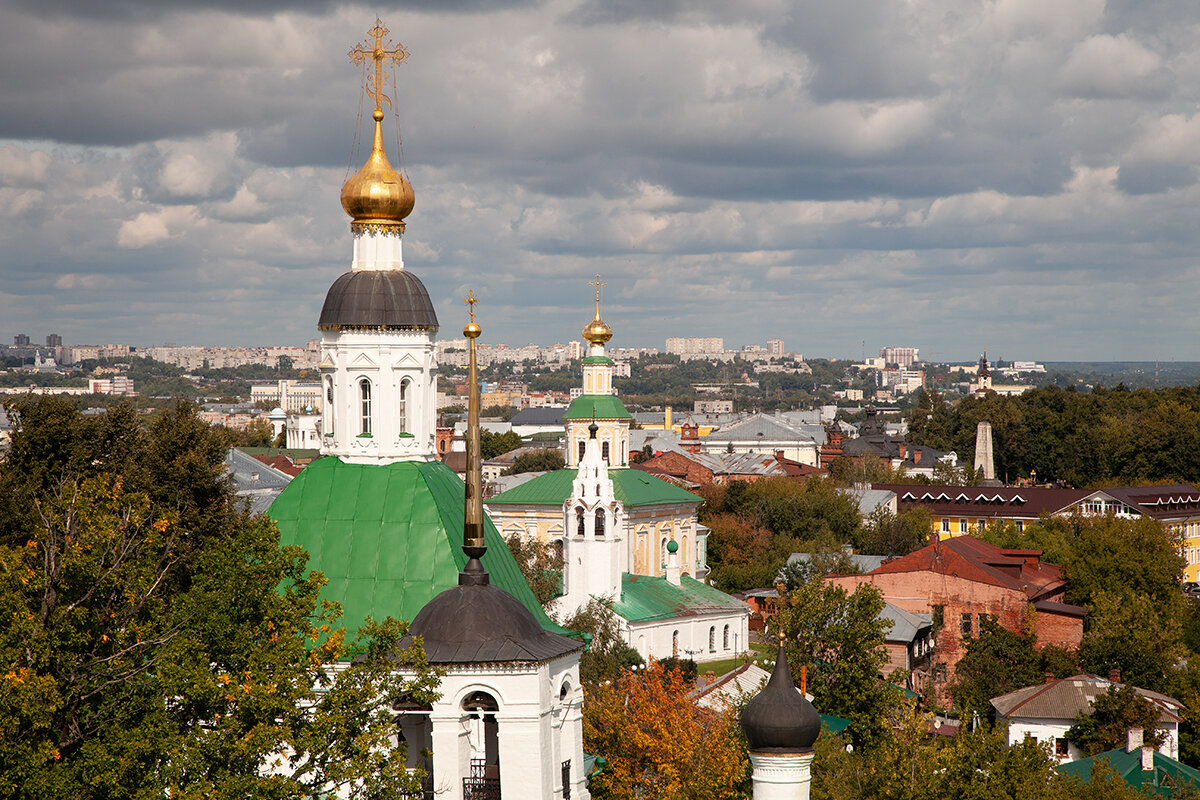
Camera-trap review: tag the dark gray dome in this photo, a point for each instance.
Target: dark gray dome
(378, 299)
(474, 624)
(779, 719)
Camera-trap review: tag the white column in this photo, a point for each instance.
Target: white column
(451, 761)
(781, 776)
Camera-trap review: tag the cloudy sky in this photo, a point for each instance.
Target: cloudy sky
(1016, 175)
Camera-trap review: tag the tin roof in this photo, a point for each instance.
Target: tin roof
(1067, 698)
(1167, 775)
(393, 298)
(644, 598)
(388, 537)
(599, 406)
(632, 487)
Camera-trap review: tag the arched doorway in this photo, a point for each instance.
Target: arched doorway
(484, 740)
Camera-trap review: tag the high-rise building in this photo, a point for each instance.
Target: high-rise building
(774, 347)
(53, 340)
(691, 345)
(20, 340)
(902, 357)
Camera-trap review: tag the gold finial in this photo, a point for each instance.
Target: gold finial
(471, 330)
(597, 331)
(378, 48)
(473, 544)
(377, 197)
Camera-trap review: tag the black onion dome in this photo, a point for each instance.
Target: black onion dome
(779, 719)
(474, 624)
(392, 298)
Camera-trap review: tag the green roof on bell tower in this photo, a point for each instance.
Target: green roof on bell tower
(388, 538)
(597, 406)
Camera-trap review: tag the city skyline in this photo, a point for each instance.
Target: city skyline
(1014, 177)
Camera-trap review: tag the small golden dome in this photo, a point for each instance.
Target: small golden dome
(597, 331)
(377, 193)
(472, 330)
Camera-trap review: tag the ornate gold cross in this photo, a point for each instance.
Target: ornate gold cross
(378, 48)
(597, 283)
(471, 300)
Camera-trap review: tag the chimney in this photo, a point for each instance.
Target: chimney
(1147, 758)
(1114, 675)
(1049, 677)
(917, 455)
(1133, 739)
(779, 455)
(903, 450)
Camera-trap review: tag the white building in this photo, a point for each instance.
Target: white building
(1045, 712)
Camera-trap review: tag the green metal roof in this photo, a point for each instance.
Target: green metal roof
(388, 537)
(834, 724)
(597, 360)
(644, 598)
(1167, 775)
(600, 406)
(631, 486)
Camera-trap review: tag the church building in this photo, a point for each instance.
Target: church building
(624, 534)
(385, 520)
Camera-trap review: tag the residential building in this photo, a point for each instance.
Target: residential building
(961, 582)
(1044, 712)
(768, 434)
(775, 348)
(53, 340)
(902, 357)
(686, 346)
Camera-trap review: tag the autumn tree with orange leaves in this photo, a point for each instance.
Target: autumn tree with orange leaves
(659, 744)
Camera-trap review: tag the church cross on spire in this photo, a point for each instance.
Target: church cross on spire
(380, 49)
(471, 300)
(597, 283)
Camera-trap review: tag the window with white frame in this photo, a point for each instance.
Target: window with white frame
(364, 398)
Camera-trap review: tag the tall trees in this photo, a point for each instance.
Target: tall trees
(1113, 714)
(838, 638)
(155, 639)
(658, 744)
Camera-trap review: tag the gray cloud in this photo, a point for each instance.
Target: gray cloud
(1014, 175)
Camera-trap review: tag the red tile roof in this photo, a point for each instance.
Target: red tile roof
(975, 560)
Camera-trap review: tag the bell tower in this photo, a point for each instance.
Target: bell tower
(598, 404)
(378, 324)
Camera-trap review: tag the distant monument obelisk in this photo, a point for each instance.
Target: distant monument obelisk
(984, 460)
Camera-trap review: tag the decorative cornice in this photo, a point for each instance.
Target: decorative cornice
(378, 227)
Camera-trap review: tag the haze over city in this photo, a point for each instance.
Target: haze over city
(1017, 176)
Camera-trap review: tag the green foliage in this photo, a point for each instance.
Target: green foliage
(838, 638)
(501, 412)
(497, 444)
(1113, 714)
(547, 459)
(608, 654)
(1132, 633)
(887, 534)
(1083, 439)
(158, 641)
(997, 662)
(1137, 555)
(541, 564)
(756, 526)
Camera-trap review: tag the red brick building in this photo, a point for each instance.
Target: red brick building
(963, 580)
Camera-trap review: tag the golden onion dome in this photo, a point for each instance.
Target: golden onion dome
(597, 331)
(377, 193)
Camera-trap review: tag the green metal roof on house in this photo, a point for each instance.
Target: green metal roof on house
(834, 724)
(631, 486)
(644, 598)
(1167, 775)
(600, 406)
(597, 360)
(388, 537)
